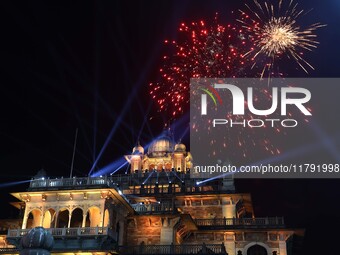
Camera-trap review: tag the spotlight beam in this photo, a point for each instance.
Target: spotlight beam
(113, 167)
(145, 181)
(177, 176)
(8, 184)
(115, 126)
(326, 140)
(95, 119)
(145, 122)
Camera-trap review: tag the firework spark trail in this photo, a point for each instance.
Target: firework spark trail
(276, 34)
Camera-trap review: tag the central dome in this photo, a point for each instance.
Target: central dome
(161, 147)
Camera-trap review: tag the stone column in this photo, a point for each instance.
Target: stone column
(24, 222)
(282, 246)
(25, 219)
(229, 243)
(69, 219)
(228, 208)
(83, 225)
(41, 219)
(121, 232)
(167, 232)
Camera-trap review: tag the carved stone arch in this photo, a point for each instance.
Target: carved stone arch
(49, 218)
(93, 216)
(62, 218)
(34, 217)
(76, 207)
(34, 208)
(250, 246)
(76, 220)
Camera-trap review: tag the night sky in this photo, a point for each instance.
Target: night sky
(87, 65)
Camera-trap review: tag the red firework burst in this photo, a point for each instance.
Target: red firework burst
(204, 50)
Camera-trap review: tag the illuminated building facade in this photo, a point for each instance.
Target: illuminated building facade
(155, 209)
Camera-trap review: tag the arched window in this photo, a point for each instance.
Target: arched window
(76, 218)
(63, 216)
(93, 217)
(34, 219)
(151, 167)
(168, 166)
(49, 219)
(257, 250)
(159, 167)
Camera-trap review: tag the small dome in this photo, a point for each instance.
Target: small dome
(138, 149)
(38, 238)
(180, 147)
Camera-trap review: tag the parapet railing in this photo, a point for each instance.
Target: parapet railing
(67, 182)
(9, 250)
(132, 184)
(241, 222)
(62, 232)
(154, 208)
(157, 249)
(173, 249)
(104, 180)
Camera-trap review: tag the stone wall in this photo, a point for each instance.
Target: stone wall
(145, 229)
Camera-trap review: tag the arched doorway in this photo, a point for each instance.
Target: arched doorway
(257, 250)
(63, 216)
(76, 218)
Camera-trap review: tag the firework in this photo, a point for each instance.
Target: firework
(209, 50)
(276, 34)
(203, 50)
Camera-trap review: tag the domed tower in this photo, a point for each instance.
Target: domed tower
(136, 158)
(179, 157)
(138, 149)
